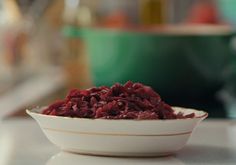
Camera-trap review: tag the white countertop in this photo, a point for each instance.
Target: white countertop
(23, 143)
(30, 91)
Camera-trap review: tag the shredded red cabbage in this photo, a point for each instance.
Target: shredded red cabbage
(128, 101)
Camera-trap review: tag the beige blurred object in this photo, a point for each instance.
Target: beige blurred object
(43, 23)
(76, 68)
(31, 37)
(12, 43)
(84, 16)
(77, 14)
(12, 11)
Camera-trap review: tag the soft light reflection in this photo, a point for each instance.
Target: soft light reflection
(63, 158)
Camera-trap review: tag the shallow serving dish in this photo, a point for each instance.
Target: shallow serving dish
(118, 137)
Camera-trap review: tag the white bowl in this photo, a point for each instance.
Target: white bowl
(118, 137)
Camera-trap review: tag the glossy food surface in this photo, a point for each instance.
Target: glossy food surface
(128, 101)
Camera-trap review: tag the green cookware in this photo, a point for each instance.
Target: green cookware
(182, 67)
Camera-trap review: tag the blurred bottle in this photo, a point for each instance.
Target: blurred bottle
(152, 12)
(75, 62)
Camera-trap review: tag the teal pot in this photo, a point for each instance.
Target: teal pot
(182, 65)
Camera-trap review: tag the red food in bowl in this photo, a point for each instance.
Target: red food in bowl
(128, 101)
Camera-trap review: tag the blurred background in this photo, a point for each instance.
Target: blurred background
(184, 49)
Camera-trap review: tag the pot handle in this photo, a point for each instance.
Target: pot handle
(229, 75)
